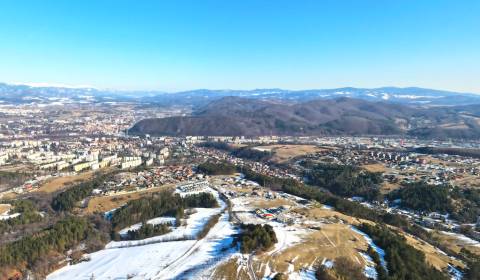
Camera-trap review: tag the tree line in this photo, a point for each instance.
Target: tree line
(9, 178)
(147, 230)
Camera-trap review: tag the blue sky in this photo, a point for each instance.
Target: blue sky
(178, 45)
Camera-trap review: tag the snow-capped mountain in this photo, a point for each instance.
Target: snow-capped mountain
(200, 97)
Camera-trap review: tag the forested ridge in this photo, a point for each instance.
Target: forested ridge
(242, 152)
(345, 180)
(61, 236)
(220, 168)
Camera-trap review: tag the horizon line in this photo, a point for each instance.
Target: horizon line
(67, 86)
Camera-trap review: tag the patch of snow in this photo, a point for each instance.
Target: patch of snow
(268, 271)
(327, 207)
(369, 269)
(303, 274)
(327, 263)
(108, 215)
(380, 251)
(7, 216)
(455, 274)
(463, 238)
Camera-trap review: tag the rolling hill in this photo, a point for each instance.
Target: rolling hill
(234, 116)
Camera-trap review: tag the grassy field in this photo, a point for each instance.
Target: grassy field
(327, 214)
(432, 255)
(453, 243)
(375, 167)
(106, 203)
(285, 153)
(59, 183)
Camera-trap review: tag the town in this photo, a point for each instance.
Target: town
(45, 153)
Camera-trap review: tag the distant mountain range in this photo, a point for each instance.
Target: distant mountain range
(236, 116)
(196, 98)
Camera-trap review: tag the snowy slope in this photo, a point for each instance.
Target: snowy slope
(157, 259)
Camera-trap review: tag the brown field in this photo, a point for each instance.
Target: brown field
(4, 208)
(229, 271)
(320, 213)
(106, 203)
(433, 257)
(56, 184)
(330, 242)
(376, 167)
(453, 243)
(284, 153)
(468, 181)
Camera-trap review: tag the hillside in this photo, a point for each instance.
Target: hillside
(234, 116)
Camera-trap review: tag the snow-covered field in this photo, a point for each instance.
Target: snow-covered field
(286, 235)
(164, 260)
(194, 224)
(186, 259)
(120, 263)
